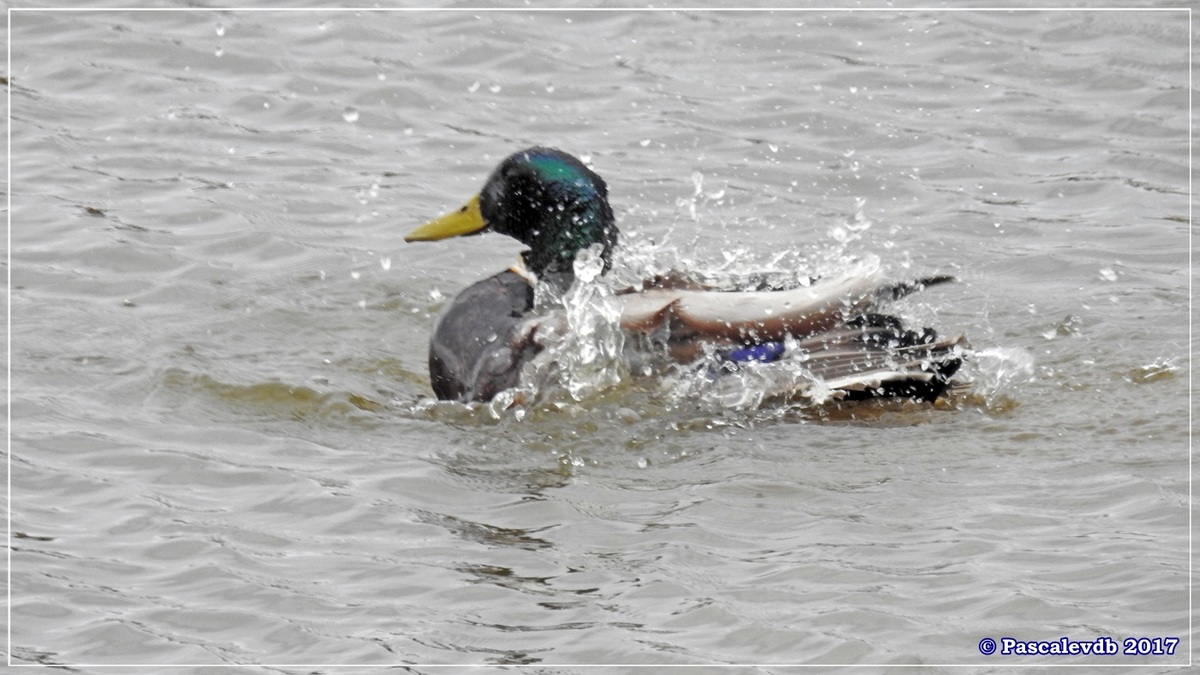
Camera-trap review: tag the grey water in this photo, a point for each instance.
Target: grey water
(223, 449)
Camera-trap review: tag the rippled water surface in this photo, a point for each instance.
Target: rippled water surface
(223, 445)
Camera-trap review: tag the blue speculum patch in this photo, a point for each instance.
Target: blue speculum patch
(763, 353)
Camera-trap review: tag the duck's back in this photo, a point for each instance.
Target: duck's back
(477, 349)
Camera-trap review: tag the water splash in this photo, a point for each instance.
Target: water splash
(580, 331)
(854, 229)
(746, 387)
(692, 204)
(1160, 369)
(1001, 371)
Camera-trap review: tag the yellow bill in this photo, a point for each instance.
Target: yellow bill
(466, 220)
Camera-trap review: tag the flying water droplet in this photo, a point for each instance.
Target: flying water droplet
(350, 114)
(589, 264)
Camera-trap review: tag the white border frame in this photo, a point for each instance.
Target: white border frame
(982, 664)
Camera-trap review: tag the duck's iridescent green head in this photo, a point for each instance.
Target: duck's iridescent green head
(544, 198)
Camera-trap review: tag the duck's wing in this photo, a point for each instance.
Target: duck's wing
(752, 316)
(826, 336)
(876, 356)
(852, 362)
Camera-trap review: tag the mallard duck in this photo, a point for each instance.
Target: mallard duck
(554, 204)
